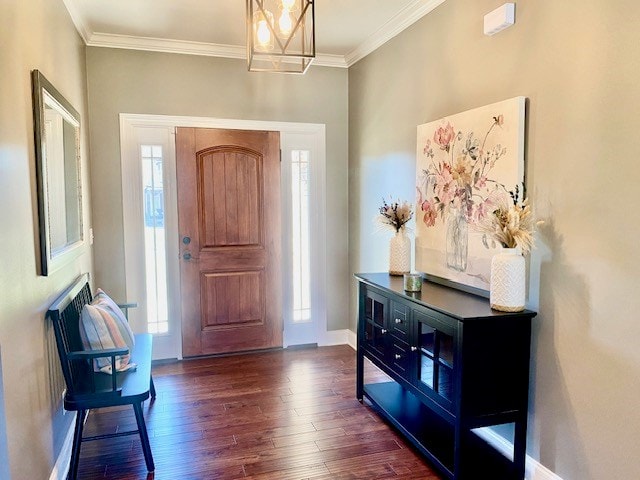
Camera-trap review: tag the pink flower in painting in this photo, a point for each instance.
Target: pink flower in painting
(430, 214)
(443, 136)
(444, 187)
(481, 210)
(481, 182)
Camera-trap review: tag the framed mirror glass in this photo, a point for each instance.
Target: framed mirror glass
(57, 142)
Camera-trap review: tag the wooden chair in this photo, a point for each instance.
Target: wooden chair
(87, 389)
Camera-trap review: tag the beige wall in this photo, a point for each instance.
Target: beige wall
(578, 64)
(4, 446)
(34, 34)
(123, 81)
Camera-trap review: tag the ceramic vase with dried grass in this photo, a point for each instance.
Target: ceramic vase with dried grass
(508, 281)
(400, 253)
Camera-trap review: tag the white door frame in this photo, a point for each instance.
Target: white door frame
(290, 133)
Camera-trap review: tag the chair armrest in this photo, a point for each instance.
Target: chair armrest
(128, 305)
(125, 308)
(91, 354)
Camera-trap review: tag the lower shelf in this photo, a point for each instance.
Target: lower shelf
(434, 437)
(429, 433)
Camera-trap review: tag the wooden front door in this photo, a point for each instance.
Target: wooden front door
(230, 241)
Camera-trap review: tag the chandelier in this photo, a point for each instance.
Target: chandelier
(280, 35)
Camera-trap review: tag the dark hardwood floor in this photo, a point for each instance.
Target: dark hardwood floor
(283, 415)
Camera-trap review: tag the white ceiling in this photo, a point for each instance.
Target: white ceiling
(346, 30)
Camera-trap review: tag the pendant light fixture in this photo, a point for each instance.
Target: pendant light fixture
(280, 35)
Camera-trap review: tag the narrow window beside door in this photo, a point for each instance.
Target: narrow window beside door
(154, 239)
(300, 235)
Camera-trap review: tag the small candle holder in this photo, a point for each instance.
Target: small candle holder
(412, 282)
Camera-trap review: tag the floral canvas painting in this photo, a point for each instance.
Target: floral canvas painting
(465, 164)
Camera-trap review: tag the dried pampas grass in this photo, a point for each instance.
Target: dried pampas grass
(394, 215)
(511, 223)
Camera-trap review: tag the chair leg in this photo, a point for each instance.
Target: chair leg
(77, 442)
(153, 390)
(144, 438)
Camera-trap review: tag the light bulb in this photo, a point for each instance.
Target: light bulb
(288, 4)
(285, 22)
(263, 34)
(263, 26)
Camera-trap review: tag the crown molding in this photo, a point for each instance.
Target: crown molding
(399, 22)
(77, 19)
(165, 45)
(186, 47)
(329, 60)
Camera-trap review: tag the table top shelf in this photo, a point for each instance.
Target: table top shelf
(460, 305)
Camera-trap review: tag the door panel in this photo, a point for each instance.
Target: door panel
(232, 298)
(229, 220)
(230, 185)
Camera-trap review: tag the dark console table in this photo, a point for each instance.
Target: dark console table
(456, 365)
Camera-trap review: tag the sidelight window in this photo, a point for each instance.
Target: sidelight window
(154, 239)
(301, 261)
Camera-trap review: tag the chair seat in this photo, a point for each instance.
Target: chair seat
(133, 385)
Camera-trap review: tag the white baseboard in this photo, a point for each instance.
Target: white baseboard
(352, 339)
(333, 337)
(61, 467)
(327, 339)
(339, 337)
(534, 470)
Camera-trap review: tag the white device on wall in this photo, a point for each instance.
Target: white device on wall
(499, 19)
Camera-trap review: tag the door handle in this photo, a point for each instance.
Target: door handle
(188, 257)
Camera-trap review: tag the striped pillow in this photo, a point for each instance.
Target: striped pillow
(101, 299)
(104, 326)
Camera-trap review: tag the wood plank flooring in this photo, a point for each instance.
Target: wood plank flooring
(283, 415)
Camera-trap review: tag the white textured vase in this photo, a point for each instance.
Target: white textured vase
(508, 281)
(400, 253)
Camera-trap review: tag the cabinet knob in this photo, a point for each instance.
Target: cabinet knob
(398, 320)
(398, 356)
(384, 331)
(413, 349)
